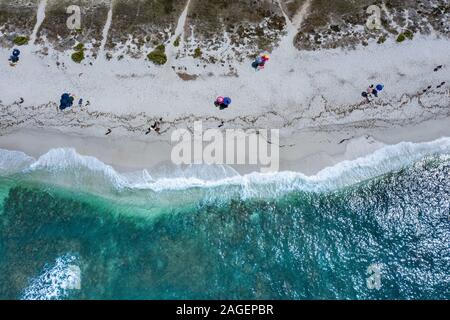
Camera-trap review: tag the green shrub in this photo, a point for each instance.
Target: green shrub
(20, 40)
(79, 47)
(381, 39)
(197, 52)
(161, 47)
(158, 56)
(409, 34)
(401, 37)
(78, 56)
(176, 43)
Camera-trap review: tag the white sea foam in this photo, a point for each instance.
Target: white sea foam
(86, 170)
(62, 162)
(13, 161)
(56, 281)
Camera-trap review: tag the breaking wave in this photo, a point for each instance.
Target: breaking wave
(66, 166)
(56, 281)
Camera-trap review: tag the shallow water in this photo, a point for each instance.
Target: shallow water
(283, 237)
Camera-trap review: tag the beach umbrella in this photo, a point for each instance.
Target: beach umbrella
(219, 100)
(227, 101)
(380, 87)
(66, 101)
(266, 57)
(259, 60)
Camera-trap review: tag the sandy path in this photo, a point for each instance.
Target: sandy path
(106, 31)
(40, 16)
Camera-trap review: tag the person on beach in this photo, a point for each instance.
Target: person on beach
(80, 103)
(375, 92)
(154, 127)
(14, 58)
(365, 95)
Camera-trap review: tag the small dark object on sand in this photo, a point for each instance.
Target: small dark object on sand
(108, 132)
(155, 127)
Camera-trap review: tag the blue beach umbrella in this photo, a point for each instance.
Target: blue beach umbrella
(227, 101)
(66, 101)
(380, 87)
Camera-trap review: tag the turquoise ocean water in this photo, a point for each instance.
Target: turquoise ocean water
(67, 219)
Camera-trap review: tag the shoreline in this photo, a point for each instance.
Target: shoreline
(306, 152)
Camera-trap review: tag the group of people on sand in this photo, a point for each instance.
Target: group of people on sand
(260, 62)
(222, 102)
(155, 127)
(372, 91)
(67, 100)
